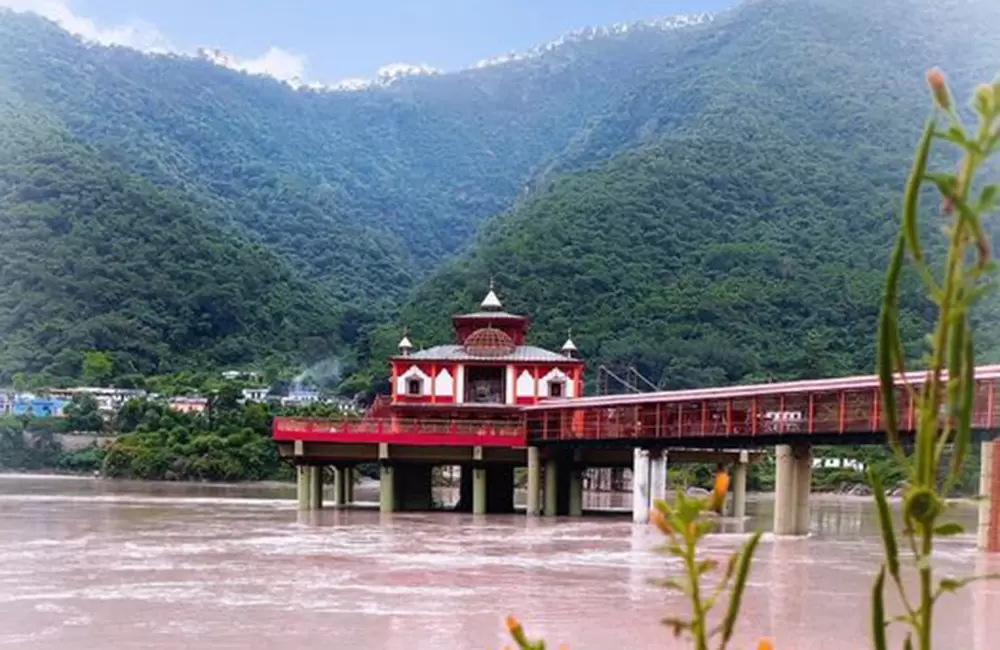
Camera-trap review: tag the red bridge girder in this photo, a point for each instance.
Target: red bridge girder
(822, 409)
(802, 409)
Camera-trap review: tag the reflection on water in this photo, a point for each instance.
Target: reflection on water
(96, 564)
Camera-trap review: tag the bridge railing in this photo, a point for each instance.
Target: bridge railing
(819, 412)
(292, 428)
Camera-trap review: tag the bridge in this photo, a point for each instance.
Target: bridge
(557, 438)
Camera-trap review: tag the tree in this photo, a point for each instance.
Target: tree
(20, 382)
(97, 367)
(83, 414)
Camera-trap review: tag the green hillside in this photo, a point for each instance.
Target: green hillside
(364, 191)
(713, 203)
(94, 258)
(746, 237)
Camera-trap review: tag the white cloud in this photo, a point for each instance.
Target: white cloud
(135, 34)
(275, 62)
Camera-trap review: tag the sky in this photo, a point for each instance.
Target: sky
(329, 41)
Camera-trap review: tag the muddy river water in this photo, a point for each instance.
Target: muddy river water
(89, 564)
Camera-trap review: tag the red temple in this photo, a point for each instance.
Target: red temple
(486, 375)
(470, 392)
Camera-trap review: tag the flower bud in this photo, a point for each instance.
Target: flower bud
(660, 521)
(936, 81)
(985, 99)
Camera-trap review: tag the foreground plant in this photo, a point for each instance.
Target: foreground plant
(944, 402)
(686, 523)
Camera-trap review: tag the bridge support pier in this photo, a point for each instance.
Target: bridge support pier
(534, 481)
(989, 507)
(479, 491)
(309, 487)
(339, 474)
(551, 487)
(348, 485)
(740, 485)
(640, 486)
(386, 488)
(792, 484)
(302, 485)
(649, 482)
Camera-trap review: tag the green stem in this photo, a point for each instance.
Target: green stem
(926, 590)
(700, 638)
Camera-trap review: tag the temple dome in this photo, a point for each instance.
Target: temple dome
(489, 342)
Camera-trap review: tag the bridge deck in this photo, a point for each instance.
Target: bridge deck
(824, 411)
(846, 408)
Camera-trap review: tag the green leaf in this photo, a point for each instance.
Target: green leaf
(736, 597)
(705, 566)
(911, 196)
(889, 347)
(669, 583)
(949, 529)
(987, 198)
(878, 612)
(885, 524)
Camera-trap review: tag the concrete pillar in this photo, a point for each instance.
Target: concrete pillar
(386, 488)
(640, 486)
(988, 538)
(657, 476)
(803, 487)
(302, 486)
(350, 477)
(784, 490)
(551, 487)
(534, 481)
(792, 484)
(316, 488)
(479, 491)
(740, 486)
(339, 474)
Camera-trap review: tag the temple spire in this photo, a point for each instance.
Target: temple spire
(405, 346)
(569, 347)
(491, 301)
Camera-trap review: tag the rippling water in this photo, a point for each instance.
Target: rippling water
(96, 564)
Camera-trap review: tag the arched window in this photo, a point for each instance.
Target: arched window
(557, 388)
(414, 386)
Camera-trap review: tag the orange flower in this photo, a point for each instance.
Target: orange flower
(719, 491)
(660, 521)
(935, 79)
(765, 644)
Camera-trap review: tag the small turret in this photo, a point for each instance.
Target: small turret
(569, 347)
(491, 301)
(405, 347)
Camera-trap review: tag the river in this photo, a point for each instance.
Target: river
(92, 564)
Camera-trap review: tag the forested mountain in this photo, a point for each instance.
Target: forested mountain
(714, 202)
(747, 235)
(365, 191)
(94, 258)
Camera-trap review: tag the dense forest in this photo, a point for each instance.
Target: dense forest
(712, 202)
(95, 258)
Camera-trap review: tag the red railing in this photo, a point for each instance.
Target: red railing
(800, 413)
(402, 431)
